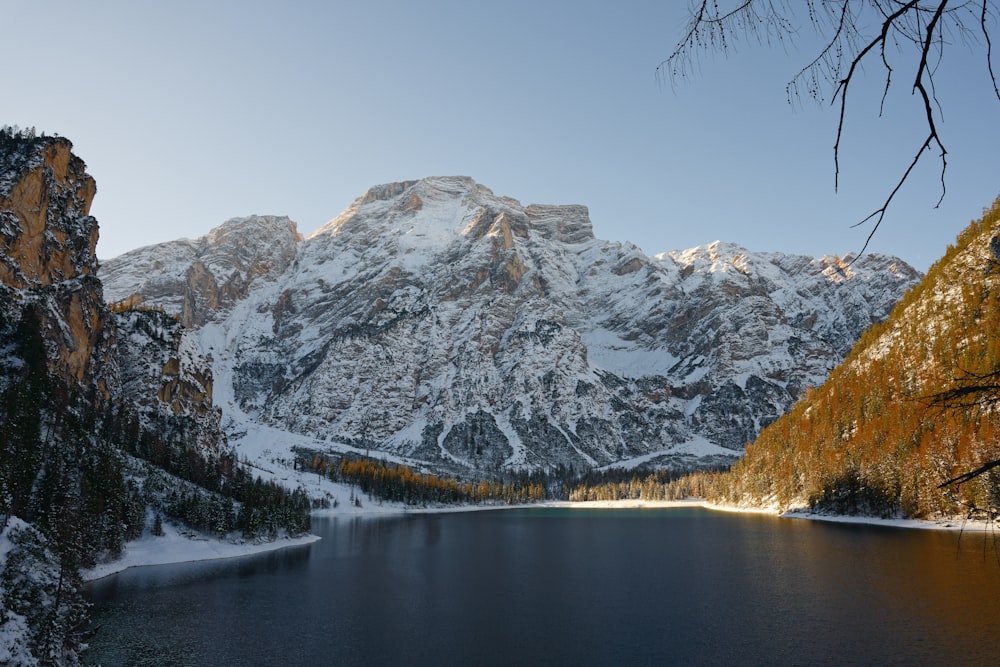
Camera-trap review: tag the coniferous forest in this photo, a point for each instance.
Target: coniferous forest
(399, 483)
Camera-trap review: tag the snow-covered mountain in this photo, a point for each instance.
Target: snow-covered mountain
(433, 321)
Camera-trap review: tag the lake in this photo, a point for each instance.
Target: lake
(562, 586)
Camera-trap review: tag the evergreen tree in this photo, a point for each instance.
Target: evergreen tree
(44, 590)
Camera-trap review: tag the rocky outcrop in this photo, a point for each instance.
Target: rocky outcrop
(49, 264)
(220, 268)
(49, 240)
(435, 321)
(46, 232)
(167, 378)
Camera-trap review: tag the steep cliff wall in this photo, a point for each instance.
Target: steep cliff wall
(46, 232)
(48, 241)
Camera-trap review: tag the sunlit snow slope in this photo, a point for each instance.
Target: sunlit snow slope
(436, 322)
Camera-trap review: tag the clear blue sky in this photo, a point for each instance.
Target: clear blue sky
(189, 113)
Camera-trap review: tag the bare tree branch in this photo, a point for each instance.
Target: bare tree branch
(972, 474)
(709, 30)
(918, 29)
(989, 49)
(844, 83)
(968, 391)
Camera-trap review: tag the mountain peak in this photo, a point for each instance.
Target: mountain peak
(259, 228)
(445, 185)
(446, 208)
(207, 274)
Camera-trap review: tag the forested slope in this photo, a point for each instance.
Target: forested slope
(913, 405)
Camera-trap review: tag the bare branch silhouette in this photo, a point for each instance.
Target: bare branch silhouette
(916, 32)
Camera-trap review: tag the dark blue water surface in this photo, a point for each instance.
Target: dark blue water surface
(567, 587)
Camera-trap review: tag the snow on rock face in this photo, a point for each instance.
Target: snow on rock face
(167, 379)
(437, 321)
(46, 230)
(217, 269)
(48, 239)
(48, 273)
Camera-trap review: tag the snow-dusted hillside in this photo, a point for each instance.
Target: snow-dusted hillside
(436, 322)
(194, 279)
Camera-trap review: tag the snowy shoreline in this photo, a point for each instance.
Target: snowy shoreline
(954, 524)
(177, 547)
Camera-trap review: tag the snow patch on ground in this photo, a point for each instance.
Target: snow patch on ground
(175, 546)
(519, 458)
(975, 526)
(14, 630)
(608, 352)
(13, 523)
(586, 457)
(444, 450)
(697, 447)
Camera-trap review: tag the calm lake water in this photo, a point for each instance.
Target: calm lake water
(567, 587)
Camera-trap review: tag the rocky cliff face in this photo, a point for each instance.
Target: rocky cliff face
(48, 240)
(46, 230)
(167, 379)
(220, 268)
(49, 263)
(436, 322)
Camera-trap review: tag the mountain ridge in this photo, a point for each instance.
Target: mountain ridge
(461, 330)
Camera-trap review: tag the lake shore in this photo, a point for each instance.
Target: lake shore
(794, 513)
(176, 546)
(803, 513)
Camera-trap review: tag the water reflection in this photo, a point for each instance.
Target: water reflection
(566, 587)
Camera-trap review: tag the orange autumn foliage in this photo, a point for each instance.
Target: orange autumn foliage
(875, 438)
